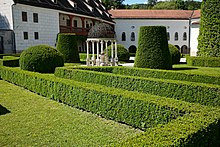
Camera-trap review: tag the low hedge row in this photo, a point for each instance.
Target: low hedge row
(192, 92)
(14, 55)
(154, 73)
(195, 125)
(140, 112)
(203, 61)
(10, 61)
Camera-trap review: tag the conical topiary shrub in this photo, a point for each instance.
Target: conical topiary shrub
(153, 51)
(67, 45)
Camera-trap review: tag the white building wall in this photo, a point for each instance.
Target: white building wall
(194, 39)
(194, 36)
(47, 26)
(6, 13)
(133, 25)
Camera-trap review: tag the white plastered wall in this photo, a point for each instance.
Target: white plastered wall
(133, 25)
(47, 26)
(6, 13)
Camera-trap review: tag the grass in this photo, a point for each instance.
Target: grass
(210, 71)
(33, 120)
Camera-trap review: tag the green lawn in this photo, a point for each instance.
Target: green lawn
(34, 120)
(211, 71)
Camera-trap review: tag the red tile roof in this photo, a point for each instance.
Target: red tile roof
(196, 14)
(156, 14)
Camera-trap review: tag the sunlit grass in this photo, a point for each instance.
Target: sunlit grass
(34, 120)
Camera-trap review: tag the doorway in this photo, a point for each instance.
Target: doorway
(1, 45)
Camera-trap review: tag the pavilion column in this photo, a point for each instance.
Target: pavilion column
(102, 53)
(93, 53)
(106, 55)
(116, 54)
(112, 54)
(87, 51)
(97, 58)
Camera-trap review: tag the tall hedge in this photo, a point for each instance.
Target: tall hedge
(175, 54)
(67, 45)
(209, 35)
(153, 51)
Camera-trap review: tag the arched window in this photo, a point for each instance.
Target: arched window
(132, 36)
(168, 36)
(176, 36)
(123, 37)
(184, 36)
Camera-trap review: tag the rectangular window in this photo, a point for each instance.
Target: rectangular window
(75, 23)
(67, 22)
(25, 35)
(24, 16)
(36, 35)
(35, 17)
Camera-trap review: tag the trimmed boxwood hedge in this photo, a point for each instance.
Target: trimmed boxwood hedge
(155, 73)
(10, 61)
(67, 45)
(153, 51)
(41, 58)
(203, 61)
(187, 91)
(198, 126)
(141, 112)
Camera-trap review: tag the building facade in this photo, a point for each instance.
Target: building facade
(177, 22)
(40, 21)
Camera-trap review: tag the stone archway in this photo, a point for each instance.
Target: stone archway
(132, 49)
(185, 50)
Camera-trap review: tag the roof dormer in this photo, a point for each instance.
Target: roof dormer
(72, 3)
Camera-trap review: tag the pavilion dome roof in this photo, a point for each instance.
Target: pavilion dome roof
(101, 30)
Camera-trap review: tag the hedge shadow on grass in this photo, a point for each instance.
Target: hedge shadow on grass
(3, 110)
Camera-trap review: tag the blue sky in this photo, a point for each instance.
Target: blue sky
(141, 1)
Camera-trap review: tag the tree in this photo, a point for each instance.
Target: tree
(113, 3)
(209, 34)
(152, 2)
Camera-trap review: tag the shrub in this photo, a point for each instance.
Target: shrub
(208, 40)
(182, 90)
(67, 45)
(203, 61)
(122, 53)
(189, 124)
(155, 73)
(175, 54)
(41, 58)
(153, 49)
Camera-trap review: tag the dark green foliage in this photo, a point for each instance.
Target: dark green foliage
(123, 53)
(203, 61)
(41, 58)
(67, 45)
(209, 34)
(195, 125)
(153, 51)
(187, 91)
(154, 73)
(10, 61)
(175, 54)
